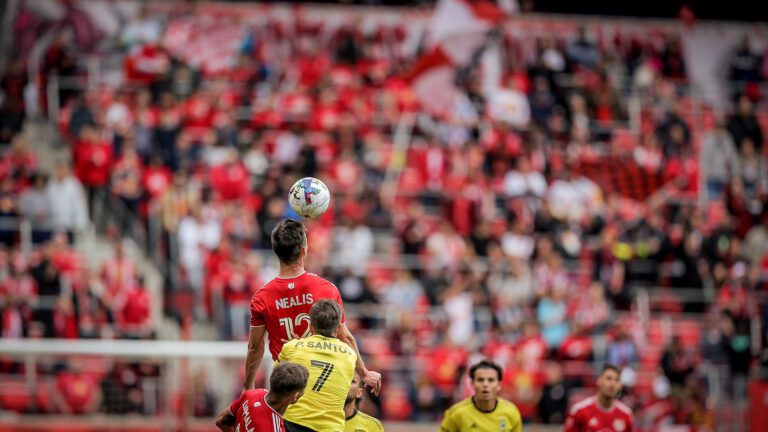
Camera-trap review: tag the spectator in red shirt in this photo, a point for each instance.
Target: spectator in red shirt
(157, 178)
(65, 324)
(523, 383)
(240, 282)
(21, 161)
(660, 410)
(577, 346)
(93, 162)
(231, 180)
(75, 392)
(531, 345)
(135, 314)
(147, 63)
(118, 274)
(448, 361)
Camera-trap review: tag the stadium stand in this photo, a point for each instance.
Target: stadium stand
(625, 223)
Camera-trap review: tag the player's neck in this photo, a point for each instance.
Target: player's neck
(485, 406)
(290, 271)
(278, 405)
(349, 409)
(605, 402)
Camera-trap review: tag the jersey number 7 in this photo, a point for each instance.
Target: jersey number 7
(327, 369)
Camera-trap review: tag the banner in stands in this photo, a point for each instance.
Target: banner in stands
(212, 37)
(88, 21)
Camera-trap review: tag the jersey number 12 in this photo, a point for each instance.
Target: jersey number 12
(290, 326)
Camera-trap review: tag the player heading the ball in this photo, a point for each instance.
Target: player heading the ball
(280, 309)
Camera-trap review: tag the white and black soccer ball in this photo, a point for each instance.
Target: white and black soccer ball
(309, 197)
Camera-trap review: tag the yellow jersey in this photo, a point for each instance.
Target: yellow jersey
(464, 416)
(331, 365)
(362, 422)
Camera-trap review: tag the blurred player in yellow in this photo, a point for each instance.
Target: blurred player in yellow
(331, 365)
(484, 411)
(358, 421)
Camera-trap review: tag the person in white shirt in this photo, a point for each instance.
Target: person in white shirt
(196, 234)
(354, 244)
(68, 202)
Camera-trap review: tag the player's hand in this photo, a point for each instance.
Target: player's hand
(372, 380)
(293, 335)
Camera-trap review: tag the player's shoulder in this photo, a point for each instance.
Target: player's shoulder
(508, 406)
(256, 393)
(582, 405)
(289, 350)
(621, 406)
(264, 289)
(371, 420)
(314, 280)
(293, 343)
(459, 407)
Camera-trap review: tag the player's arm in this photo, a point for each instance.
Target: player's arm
(371, 379)
(255, 355)
(225, 420)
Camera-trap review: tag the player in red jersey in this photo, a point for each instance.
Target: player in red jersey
(281, 307)
(601, 412)
(262, 410)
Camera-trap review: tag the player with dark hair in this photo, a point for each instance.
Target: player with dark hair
(484, 411)
(358, 421)
(262, 410)
(281, 307)
(331, 365)
(603, 411)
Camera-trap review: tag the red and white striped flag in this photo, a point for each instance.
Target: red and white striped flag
(457, 30)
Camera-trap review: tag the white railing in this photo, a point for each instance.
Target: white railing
(130, 349)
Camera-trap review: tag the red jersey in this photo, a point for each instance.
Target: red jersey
(283, 305)
(254, 414)
(76, 389)
(588, 416)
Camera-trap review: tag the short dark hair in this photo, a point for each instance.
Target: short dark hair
(287, 378)
(288, 238)
(485, 364)
(325, 317)
(610, 367)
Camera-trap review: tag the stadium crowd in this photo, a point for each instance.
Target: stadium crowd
(497, 241)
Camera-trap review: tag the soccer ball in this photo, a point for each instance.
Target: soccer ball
(309, 197)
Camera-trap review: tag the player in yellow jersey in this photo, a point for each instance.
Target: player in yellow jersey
(331, 365)
(358, 421)
(484, 411)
